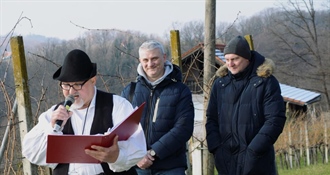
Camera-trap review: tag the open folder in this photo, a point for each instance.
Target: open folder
(71, 148)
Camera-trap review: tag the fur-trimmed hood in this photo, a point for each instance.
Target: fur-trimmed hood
(264, 70)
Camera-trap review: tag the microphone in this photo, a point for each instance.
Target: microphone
(69, 100)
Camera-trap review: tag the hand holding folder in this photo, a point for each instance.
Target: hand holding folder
(71, 148)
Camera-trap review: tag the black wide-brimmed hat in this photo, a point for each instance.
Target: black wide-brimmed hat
(76, 67)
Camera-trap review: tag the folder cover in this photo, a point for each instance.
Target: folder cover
(71, 148)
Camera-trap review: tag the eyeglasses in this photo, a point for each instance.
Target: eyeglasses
(74, 86)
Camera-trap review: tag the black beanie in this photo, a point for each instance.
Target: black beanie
(238, 46)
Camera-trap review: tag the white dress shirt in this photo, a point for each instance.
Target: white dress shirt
(131, 151)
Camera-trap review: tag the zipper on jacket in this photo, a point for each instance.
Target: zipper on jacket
(147, 121)
(156, 110)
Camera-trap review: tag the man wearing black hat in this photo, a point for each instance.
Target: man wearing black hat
(245, 114)
(92, 112)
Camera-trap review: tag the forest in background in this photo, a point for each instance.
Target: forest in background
(295, 36)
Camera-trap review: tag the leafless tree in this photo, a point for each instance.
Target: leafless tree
(301, 35)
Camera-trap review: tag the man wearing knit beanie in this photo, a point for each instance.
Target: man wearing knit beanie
(237, 54)
(238, 46)
(245, 113)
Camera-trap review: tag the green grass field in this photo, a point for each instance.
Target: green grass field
(319, 169)
(314, 169)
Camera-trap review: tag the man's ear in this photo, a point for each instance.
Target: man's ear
(165, 57)
(94, 80)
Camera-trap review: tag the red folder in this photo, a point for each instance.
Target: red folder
(71, 148)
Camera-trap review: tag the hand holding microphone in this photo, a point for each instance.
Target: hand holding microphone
(69, 100)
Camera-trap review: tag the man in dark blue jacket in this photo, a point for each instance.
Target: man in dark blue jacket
(168, 118)
(246, 113)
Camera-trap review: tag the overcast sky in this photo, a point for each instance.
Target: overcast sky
(55, 18)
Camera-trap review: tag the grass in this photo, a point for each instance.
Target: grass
(319, 169)
(314, 169)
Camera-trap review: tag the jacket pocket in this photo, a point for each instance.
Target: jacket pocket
(258, 164)
(222, 160)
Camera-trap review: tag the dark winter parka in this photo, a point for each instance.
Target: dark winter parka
(245, 116)
(167, 119)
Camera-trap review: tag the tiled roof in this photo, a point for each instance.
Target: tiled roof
(192, 50)
(200, 46)
(299, 96)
